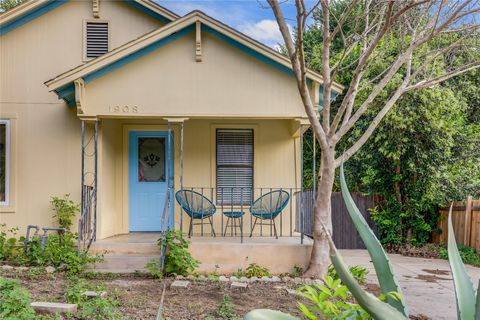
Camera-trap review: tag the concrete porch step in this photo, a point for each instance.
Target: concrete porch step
(124, 248)
(124, 263)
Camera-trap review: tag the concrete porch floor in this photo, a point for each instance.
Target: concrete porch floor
(130, 252)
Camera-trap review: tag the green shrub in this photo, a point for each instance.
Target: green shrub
(178, 259)
(253, 270)
(297, 271)
(99, 308)
(65, 210)
(468, 255)
(330, 301)
(226, 310)
(14, 301)
(153, 266)
(59, 251)
(10, 248)
(358, 272)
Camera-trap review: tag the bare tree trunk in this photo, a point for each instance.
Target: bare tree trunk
(320, 258)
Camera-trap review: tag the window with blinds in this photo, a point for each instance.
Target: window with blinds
(96, 37)
(234, 166)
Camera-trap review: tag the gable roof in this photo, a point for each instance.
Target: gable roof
(32, 9)
(63, 83)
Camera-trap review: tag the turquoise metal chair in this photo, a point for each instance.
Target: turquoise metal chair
(197, 207)
(268, 207)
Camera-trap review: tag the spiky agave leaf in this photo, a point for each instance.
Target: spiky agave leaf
(464, 291)
(383, 267)
(477, 305)
(377, 309)
(267, 314)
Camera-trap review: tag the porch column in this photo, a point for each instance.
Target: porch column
(177, 121)
(87, 225)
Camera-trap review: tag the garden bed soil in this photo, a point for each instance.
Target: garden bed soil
(139, 295)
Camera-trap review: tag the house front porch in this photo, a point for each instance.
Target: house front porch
(130, 252)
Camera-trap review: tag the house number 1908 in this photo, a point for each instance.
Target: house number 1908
(124, 109)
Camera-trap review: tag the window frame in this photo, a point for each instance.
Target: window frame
(84, 47)
(8, 156)
(252, 130)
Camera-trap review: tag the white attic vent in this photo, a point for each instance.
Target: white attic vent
(96, 39)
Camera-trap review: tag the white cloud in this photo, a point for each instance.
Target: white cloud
(265, 31)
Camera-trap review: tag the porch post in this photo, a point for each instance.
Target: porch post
(95, 182)
(301, 184)
(170, 122)
(181, 171)
(83, 166)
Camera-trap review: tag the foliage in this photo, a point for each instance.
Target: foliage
(214, 274)
(14, 301)
(423, 153)
(65, 210)
(331, 300)
(6, 5)
(225, 309)
(59, 251)
(297, 271)
(9, 248)
(467, 254)
(253, 270)
(153, 266)
(178, 259)
(99, 308)
(358, 272)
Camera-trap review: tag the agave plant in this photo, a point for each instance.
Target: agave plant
(468, 301)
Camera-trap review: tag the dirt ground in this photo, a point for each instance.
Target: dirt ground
(139, 296)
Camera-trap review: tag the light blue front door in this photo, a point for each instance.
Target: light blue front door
(148, 178)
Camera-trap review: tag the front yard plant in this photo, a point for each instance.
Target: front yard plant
(332, 300)
(14, 301)
(226, 310)
(358, 272)
(65, 211)
(178, 260)
(58, 250)
(253, 270)
(97, 308)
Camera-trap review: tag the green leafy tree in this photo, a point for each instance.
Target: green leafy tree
(6, 5)
(423, 154)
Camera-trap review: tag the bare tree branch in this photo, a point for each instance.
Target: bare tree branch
(451, 74)
(303, 90)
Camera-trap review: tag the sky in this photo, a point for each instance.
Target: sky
(252, 17)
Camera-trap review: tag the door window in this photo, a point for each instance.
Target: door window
(151, 159)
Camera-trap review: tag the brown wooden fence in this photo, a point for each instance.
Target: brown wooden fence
(345, 236)
(466, 223)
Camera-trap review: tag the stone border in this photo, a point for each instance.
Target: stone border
(273, 279)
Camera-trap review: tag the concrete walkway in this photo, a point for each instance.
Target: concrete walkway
(426, 283)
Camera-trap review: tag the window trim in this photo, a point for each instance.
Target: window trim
(8, 157)
(84, 47)
(238, 128)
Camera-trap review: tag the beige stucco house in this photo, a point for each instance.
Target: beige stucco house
(135, 102)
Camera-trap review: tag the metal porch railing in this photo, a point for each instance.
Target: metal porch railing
(289, 222)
